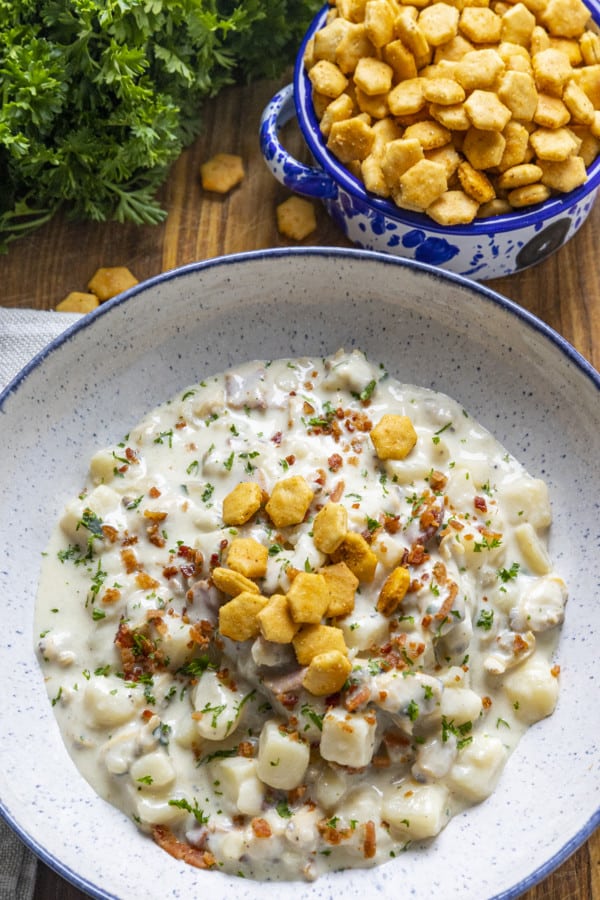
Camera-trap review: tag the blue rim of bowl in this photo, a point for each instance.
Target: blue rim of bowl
(536, 216)
(486, 294)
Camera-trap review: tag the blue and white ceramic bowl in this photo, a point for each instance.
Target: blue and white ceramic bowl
(486, 248)
(508, 369)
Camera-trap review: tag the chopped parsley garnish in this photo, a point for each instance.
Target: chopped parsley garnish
(195, 810)
(508, 574)
(486, 619)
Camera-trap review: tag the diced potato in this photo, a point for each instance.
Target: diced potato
(157, 811)
(460, 705)
(282, 758)
(108, 703)
(532, 689)
(348, 738)
(416, 811)
(217, 706)
(478, 767)
(153, 771)
(240, 784)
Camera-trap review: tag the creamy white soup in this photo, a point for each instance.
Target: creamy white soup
(299, 617)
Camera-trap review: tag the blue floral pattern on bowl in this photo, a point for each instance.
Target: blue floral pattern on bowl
(487, 248)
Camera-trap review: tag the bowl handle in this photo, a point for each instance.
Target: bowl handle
(303, 179)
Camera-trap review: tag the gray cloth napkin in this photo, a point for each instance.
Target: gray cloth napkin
(23, 333)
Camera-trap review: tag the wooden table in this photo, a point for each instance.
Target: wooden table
(40, 270)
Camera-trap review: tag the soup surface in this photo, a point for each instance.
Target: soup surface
(299, 617)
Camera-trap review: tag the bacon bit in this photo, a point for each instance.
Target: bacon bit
(290, 459)
(147, 714)
(357, 445)
(154, 492)
(519, 645)
(357, 697)
(139, 653)
(357, 421)
(146, 582)
(370, 842)
(296, 794)
(181, 423)
(381, 761)
(396, 739)
(437, 480)
(226, 678)
(277, 438)
(321, 477)
(246, 749)
(130, 561)
(110, 533)
(129, 540)
(448, 603)
(164, 837)
(154, 535)
(170, 572)
(308, 408)
(131, 456)
(201, 633)
(426, 621)
(555, 671)
(337, 492)
(111, 595)
(439, 572)
(353, 461)
(428, 518)
(486, 702)
(330, 833)
(261, 828)
(417, 555)
(416, 649)
(391, 524)
(335, 462)
(480, 504)
(154, 515)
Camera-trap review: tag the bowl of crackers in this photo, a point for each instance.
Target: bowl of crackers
(462, 135)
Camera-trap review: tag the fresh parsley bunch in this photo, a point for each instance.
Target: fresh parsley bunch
(99, 97)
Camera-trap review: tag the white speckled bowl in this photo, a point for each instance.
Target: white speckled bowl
(509, 370)
(484, 249)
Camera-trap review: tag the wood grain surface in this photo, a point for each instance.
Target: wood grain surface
(563, 291)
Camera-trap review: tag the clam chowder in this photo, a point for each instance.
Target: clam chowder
(299, 617)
